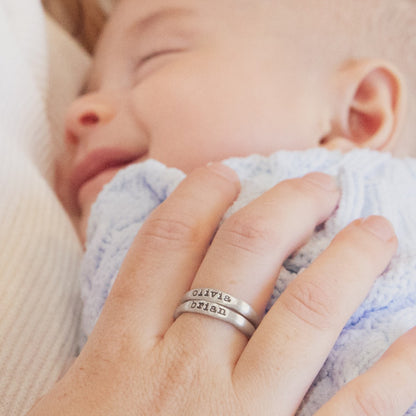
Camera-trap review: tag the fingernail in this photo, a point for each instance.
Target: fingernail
(379, 226)
(224, 171)
(324, 181)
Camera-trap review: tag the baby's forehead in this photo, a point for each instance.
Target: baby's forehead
(285, 22)
(250, 13)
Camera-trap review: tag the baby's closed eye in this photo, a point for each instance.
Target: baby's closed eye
(154, 59)
(149, 61)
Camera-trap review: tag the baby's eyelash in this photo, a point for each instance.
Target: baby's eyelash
(157, 53)
(150, 62)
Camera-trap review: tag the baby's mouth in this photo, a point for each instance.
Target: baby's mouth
(97, 169)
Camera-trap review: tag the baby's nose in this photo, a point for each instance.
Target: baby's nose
(87, 113)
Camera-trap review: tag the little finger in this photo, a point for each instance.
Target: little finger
(297, 334)
(388, 388)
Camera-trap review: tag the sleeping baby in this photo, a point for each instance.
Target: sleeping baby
(275, 89)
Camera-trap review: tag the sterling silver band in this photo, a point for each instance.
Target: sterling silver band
(224, 299)
(217, 311)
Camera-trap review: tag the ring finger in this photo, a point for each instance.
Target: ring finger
(250, 248)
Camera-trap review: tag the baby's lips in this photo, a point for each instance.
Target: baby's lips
(96, 162)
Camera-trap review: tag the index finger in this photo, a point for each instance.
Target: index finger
(167, 251)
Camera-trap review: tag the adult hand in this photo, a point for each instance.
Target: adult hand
(138, 361)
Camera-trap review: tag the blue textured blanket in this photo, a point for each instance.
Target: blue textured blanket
(371, 183)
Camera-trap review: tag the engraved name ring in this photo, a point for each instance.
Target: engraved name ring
(217, 311)
(224, 299)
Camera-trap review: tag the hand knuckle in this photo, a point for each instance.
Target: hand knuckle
(300, 194)
(372, 403)
(404, 353)
(178, 375)
(171, 388)
(310, 304)
(182, 365)
(248, 232)
(170, 229)
(302, 187)
(360, 252)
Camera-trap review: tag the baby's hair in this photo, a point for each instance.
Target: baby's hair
(83, 19)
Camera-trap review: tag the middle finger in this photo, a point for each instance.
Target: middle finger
(250, 248)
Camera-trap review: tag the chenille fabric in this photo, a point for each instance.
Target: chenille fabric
(371, 183)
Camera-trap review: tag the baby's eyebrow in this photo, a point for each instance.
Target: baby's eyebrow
(156, 17)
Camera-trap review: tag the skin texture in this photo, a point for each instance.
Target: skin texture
(139, 362)
(188, 83)
(223, 83)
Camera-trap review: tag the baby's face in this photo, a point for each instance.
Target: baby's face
(187, 82)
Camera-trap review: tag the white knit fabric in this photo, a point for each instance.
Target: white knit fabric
(41, 70)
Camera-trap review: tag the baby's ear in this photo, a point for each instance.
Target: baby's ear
(369, 106)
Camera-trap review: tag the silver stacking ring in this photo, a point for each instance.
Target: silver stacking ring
(224, 299)
(217, 311)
